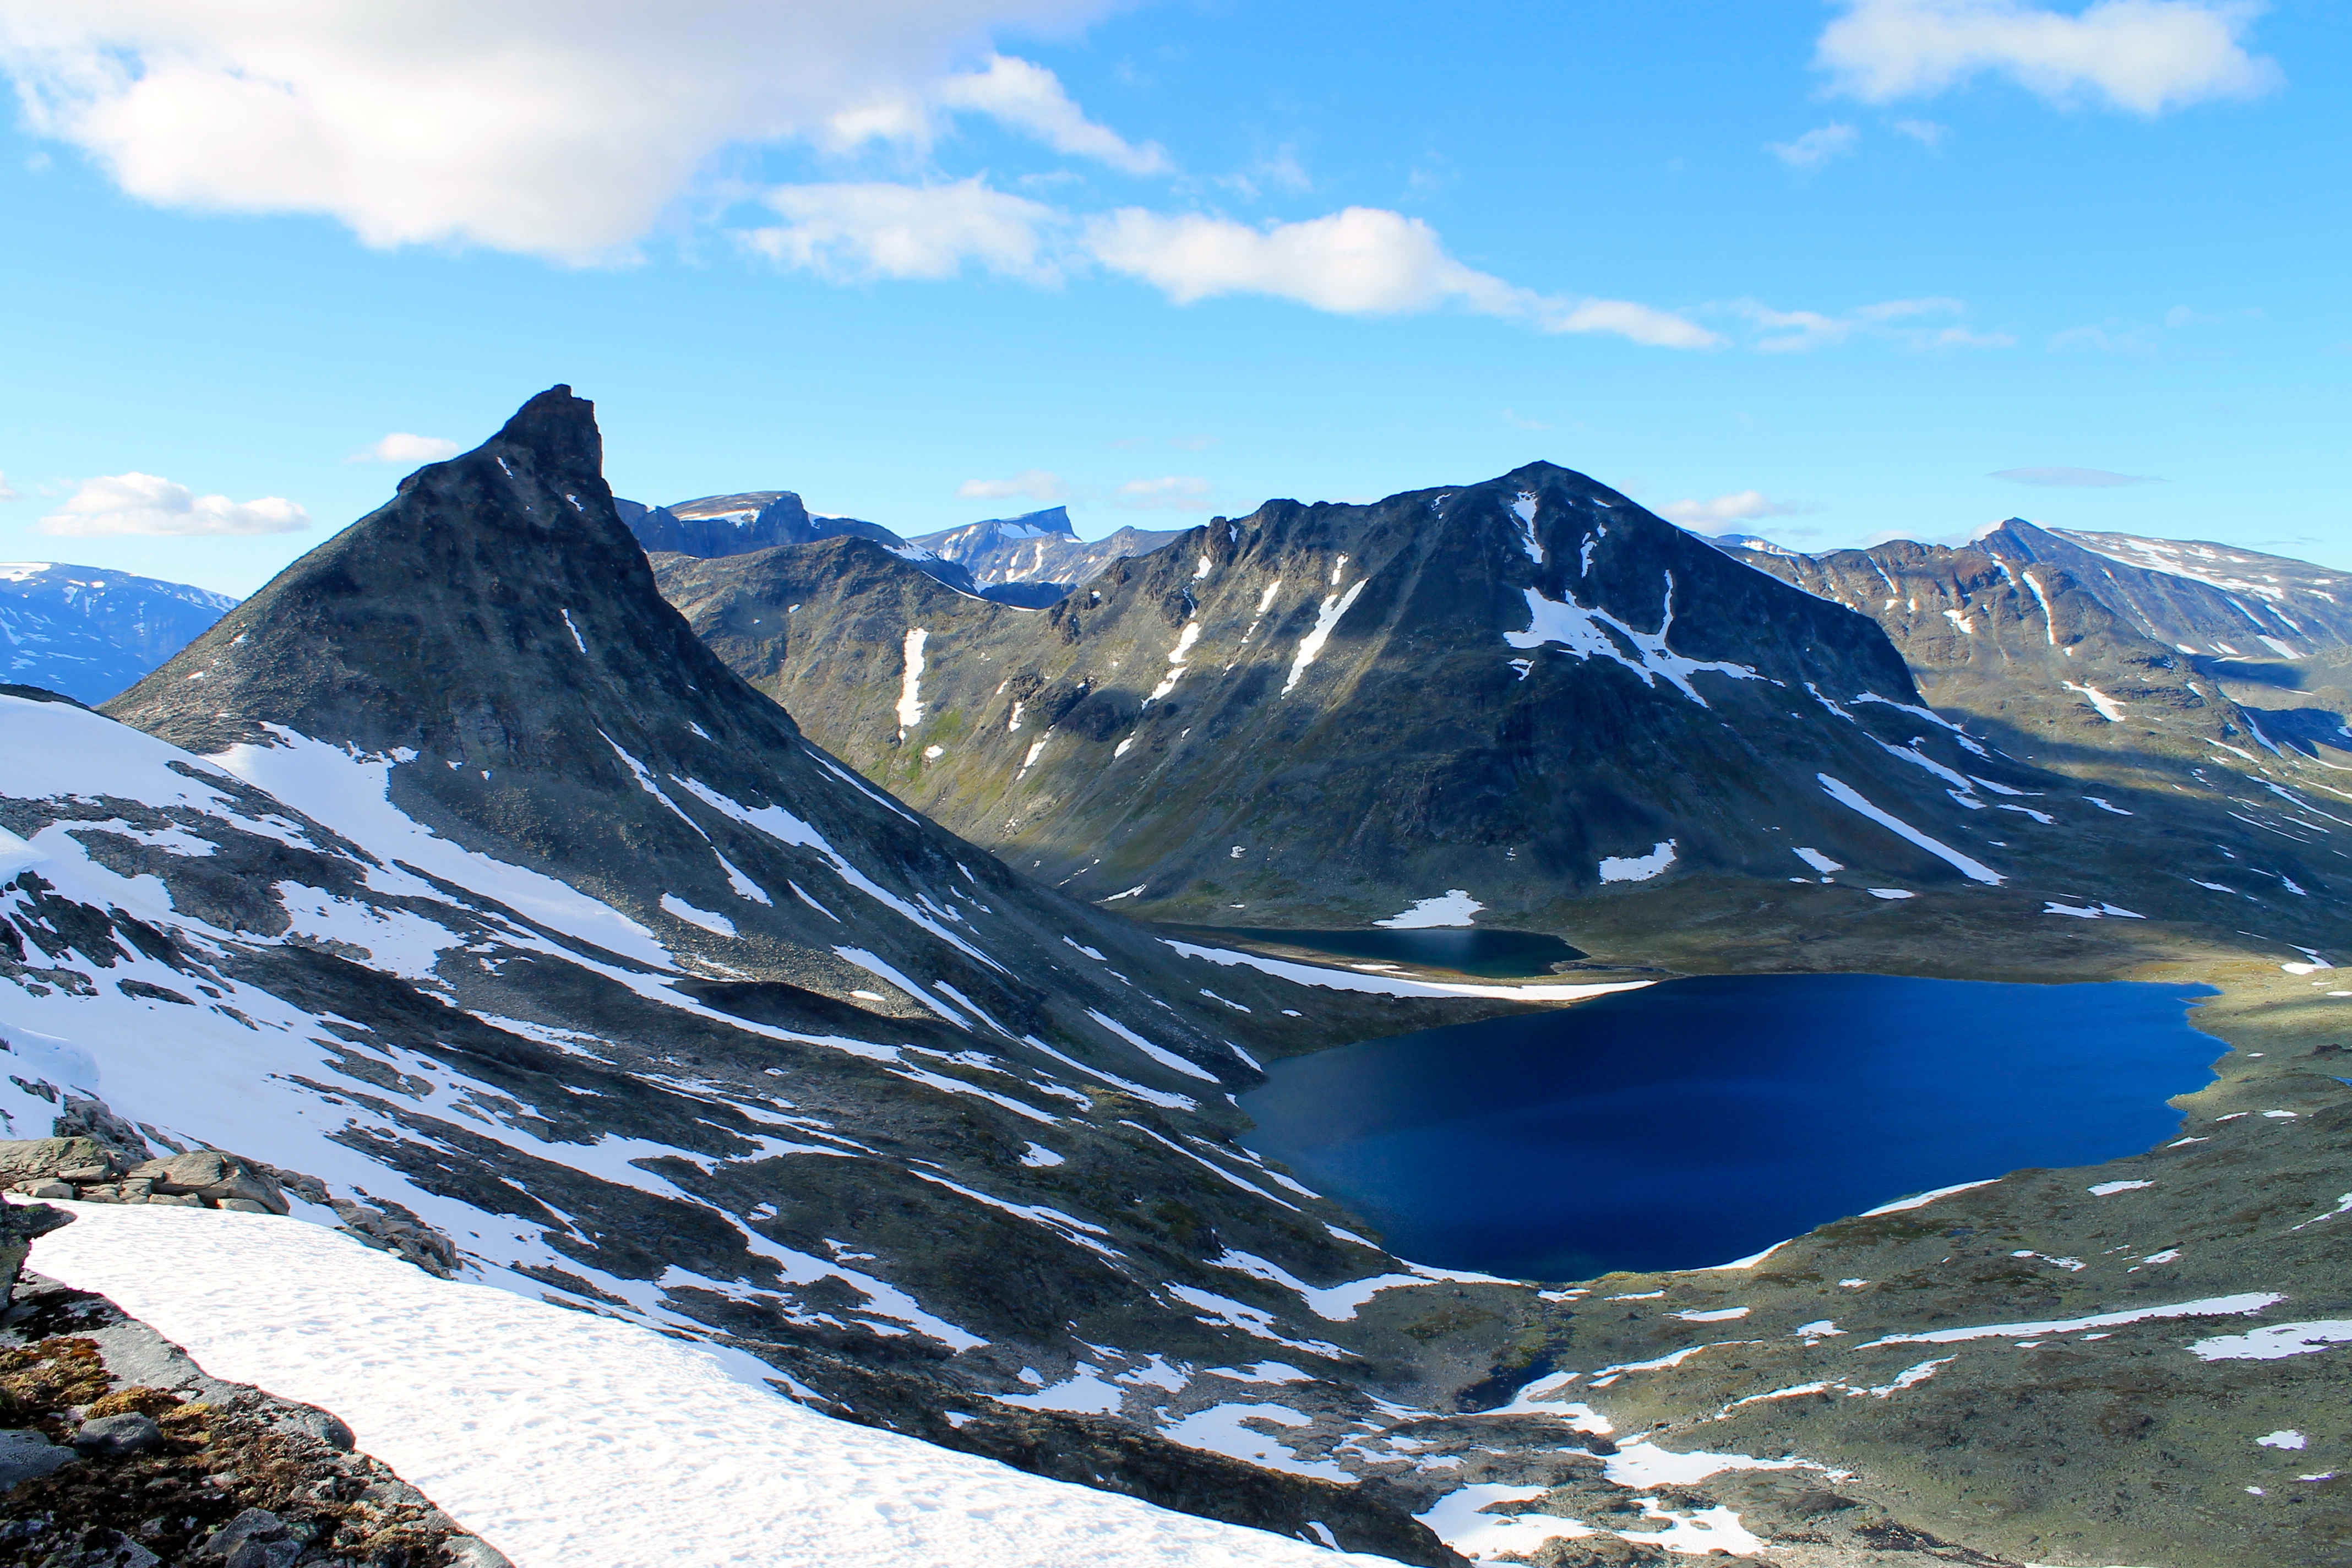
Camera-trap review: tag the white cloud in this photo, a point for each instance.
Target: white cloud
(856, 232)
(144, 503)
(1739, 506)
(7, 493)
(1359, 261)
(1909, 322)
(2147, 56)
(400, 446)
(1925, 132)
(1175, 493)
(1029, 98)
(2070, 479)
(556, 129)
(1816, 147)
(1035, 483)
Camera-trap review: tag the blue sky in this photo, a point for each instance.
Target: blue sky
(1818, 272)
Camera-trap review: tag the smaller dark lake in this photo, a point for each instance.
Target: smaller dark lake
(1489, 954)
(1693, 1123)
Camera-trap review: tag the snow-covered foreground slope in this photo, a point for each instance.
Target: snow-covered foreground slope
(572, 1441)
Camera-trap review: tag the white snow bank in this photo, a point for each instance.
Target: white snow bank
(1921, 1200)
(1818, 861)
(1310, 647)
(2211, 1307)
(1453, 907)
(1381, 985)
(910, 683)
(2109, 707)
(2275, 1341)
(573, 1441)
(351, 794)
(1593, 633)
(1639, 867)
(1846, 794)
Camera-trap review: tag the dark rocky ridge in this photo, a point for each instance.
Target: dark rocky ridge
(1412, 755)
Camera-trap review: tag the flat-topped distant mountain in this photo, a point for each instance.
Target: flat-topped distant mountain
(89, 632)
(737, 525)
(1037, 554)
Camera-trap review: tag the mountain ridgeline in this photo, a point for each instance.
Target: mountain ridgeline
(2047, 638)
(1530, 691)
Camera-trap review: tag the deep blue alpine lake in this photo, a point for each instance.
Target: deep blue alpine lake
(1700, 1121)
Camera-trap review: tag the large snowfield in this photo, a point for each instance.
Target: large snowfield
(573, 1441)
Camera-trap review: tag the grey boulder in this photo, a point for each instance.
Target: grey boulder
(26, 1453)
(128, 1433)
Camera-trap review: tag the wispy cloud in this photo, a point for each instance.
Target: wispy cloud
(1925, 132)
(1030, 98)
(1815, 147)
(1174, 492)
(7, 493)
(2071, 479)
(1035, 483)
(400, 446)
(1739, 506)
(146, 504)
(2145, 56)
(1918, 324)
(2107, 339)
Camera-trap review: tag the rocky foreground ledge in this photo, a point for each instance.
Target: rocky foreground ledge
(117, 1451)
(99, 1170)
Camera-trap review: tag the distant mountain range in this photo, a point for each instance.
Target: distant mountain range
(1038, 551)
(89, 632)
(2143, 651)
(1530, 693)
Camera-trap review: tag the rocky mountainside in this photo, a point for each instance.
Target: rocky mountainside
(90, 633)
(1038, 552)
(1527, 701)
(452, 871)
